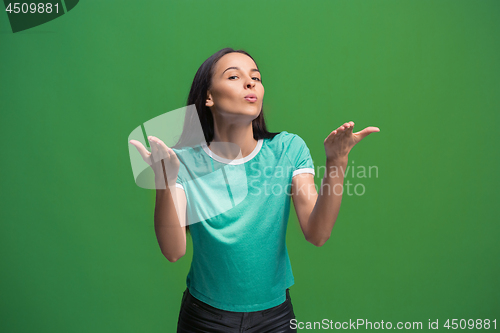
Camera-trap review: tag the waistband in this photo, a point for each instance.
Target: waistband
(189, 298)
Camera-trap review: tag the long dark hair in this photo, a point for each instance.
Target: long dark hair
(197, 96)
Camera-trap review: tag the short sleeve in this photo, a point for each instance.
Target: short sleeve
(179, 184)
(299, 156)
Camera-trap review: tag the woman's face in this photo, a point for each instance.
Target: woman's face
(236, 87)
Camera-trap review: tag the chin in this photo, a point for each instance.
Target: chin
(251, 110)
(255, 113)
(248, 110)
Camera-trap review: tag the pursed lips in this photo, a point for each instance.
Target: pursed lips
(251, 97)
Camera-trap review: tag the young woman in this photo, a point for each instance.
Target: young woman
(236, 201)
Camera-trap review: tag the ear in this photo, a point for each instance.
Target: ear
(209, 102)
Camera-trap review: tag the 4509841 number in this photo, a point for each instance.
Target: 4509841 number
(32, 8)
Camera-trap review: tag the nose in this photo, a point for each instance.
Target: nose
(250, 84)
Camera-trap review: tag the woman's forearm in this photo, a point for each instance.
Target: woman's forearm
(327, 205)
(170, 234)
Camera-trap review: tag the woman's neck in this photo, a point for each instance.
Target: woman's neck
(230, 138)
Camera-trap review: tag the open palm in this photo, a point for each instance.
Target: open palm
(162, 160)
(339, 142)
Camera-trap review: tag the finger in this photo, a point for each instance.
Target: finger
(142, 150)
(160, 154)
(368, 130)
(165, 153)
(172, 152)
(154, 149)
(348, 125)
(338, 131)
(331, 135)
(351, 127)
(343, 130)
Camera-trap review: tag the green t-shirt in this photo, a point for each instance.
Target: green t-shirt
(237, 212)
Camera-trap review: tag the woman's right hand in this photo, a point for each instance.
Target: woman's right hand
(162, 160)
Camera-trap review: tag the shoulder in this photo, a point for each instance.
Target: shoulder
(285, 139)
(289, 144)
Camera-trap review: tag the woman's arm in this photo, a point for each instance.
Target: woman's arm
(317, 213)
(169, 220)
(170, 207)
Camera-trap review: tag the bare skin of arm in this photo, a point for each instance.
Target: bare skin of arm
(170, 206)
(317, 213)
(169, 219)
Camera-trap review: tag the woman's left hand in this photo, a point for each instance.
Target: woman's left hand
(339, 142)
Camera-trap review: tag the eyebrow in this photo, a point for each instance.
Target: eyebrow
(252, 70)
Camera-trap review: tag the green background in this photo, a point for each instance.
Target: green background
(79, 253)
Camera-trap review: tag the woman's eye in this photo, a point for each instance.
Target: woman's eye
(235, 77)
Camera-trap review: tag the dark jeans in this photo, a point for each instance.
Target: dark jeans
(197, 316)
